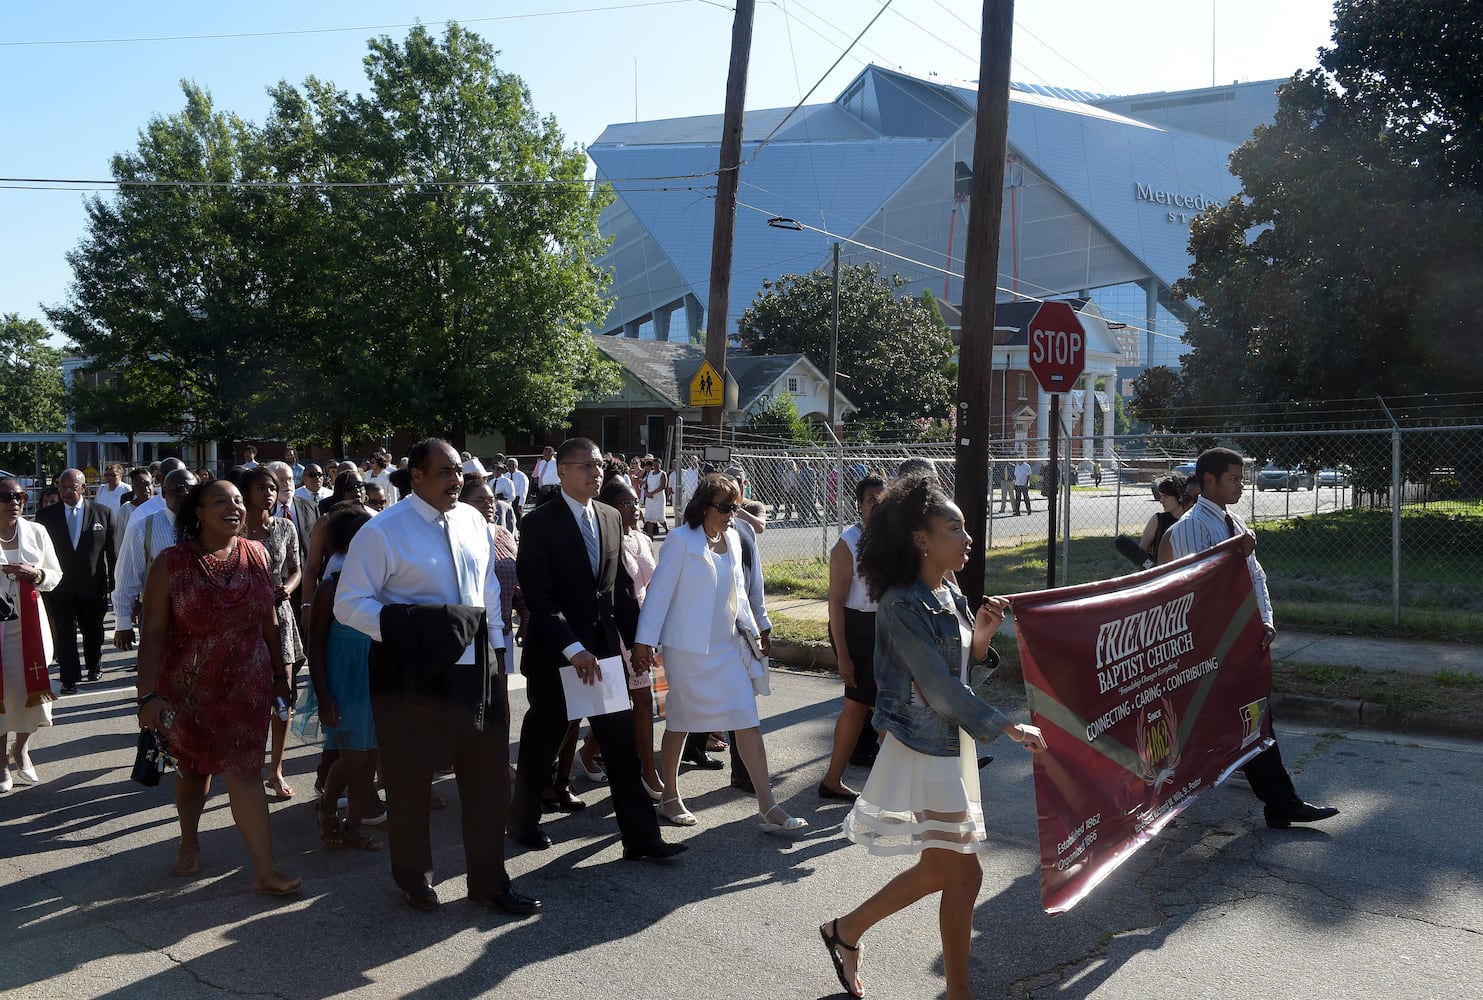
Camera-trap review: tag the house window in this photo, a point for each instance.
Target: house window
(1022, 385)
(609, 432)
(793, 385)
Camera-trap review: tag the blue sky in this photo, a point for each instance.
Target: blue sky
(80, 79)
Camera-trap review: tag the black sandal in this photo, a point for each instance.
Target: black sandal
(833, 942)
(330, 832)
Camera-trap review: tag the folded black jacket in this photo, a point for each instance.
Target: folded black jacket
(417, 660)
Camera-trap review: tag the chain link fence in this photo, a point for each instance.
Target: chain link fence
(1362, 529)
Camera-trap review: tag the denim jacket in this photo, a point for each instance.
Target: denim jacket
(917, 639)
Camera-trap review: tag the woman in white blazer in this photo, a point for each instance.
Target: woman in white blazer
(696, 608)
(26, 557)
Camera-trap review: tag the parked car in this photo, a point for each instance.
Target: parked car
(1276, 477)
(1185, 469)
(1334, 477)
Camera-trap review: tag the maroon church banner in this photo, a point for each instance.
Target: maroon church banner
(1149, 689)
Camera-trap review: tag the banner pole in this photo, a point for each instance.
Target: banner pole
(1052, 488)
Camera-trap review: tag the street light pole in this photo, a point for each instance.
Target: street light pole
(834, 341)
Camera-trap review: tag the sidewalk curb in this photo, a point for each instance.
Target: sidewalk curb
(1346, 713)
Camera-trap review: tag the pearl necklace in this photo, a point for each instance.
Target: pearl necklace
(16, 533)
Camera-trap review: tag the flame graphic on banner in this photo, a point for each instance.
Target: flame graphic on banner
(1157, 743)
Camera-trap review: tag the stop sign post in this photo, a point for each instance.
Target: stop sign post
(1057, 343)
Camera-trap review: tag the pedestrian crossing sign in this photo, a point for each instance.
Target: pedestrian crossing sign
(707, 388)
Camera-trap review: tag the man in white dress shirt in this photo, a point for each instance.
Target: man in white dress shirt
(1208, 523)
(426, 555)
(548, 480)
(513, 487)
(150, 533)
(249, 457)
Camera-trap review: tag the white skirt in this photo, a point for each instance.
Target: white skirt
(913, 801)
(15, 717)
(654, 510)
(708, 692)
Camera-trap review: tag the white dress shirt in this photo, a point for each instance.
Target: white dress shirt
(546, 474)
(513, 486)
(403, 556)
(308, 494)
(1205, 527)
(146, 538)
(111, 497)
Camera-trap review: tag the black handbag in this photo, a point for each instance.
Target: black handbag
(151, 758)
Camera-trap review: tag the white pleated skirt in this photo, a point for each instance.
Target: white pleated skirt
(913, 801)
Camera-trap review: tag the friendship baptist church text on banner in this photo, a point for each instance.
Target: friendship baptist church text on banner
(1149, 690)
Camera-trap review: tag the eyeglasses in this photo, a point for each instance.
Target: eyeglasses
(180, 488)
(19, 496)
(584, 466)
(727, 508)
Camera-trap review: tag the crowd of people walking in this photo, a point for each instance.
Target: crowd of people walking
(412, 591)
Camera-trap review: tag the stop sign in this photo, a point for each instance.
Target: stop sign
(1058, 350)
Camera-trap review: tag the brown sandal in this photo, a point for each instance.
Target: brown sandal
(187, 861)
(288, 885)
(330, 832)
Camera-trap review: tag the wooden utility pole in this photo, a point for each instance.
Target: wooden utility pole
(980, 281)
(726, 181)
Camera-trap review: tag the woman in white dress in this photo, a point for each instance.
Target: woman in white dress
(655, 486)
(922, 797)
(696, 607)
(28, 567)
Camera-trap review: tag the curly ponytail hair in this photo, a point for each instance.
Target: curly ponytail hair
(888, 555)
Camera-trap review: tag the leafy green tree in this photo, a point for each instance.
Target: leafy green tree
(1351, 264)
(31, 385)
(1154, 393)
(421, 257)
(780, 419)
(463, 285)
(893, 349)
(167, 283)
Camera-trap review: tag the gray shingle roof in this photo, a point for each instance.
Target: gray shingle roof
(666, 368)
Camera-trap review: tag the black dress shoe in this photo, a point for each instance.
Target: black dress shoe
(509, 900)
(95, 675)
(702, 760)
(561, 800)
(423, 899)
(743, 783)
(825, 792)
(69, 688)
(657, 851)
(862, 760)
(534, 839)
(1303, 812)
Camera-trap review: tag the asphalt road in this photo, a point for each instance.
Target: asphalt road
(1383, 901)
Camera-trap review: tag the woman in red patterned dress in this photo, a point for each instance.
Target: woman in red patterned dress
(210, 665)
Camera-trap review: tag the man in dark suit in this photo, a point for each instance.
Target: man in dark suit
(580, 599)
(81, 531)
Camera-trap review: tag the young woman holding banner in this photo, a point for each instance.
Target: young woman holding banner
(922, 796)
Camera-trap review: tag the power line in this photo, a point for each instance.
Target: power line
(761, 145)
(93, 184)
(365, 27)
